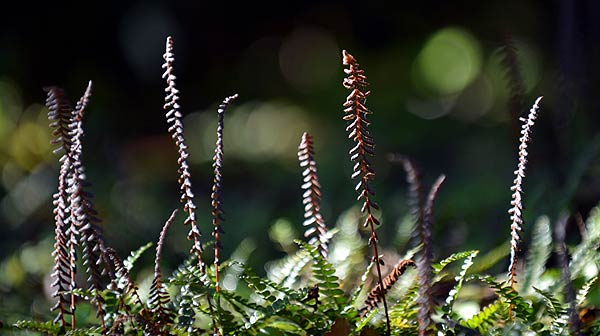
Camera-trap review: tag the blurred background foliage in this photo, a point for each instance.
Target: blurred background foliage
(439, 94)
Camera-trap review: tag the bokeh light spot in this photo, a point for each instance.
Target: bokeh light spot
(449, 61)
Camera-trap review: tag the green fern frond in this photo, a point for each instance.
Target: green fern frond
(85, 331)
(558, 312)
(584, 291)
(487, 317)
(439, 267)
(453, 294)
(520, 308)
(49, 327)
(135, 255)
(539, 252)
(587, 251)
(328, 283)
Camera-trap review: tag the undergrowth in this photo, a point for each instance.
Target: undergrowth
(309, 292)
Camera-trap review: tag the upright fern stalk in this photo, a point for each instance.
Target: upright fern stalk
(516, 211)
(355, 112)
(217, 189)
(176, 130)
(185, 184)
(60, 114)
(313, 220)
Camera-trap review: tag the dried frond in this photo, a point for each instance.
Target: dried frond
(514, 79)
(515, 211)
(425, 259)
(83, 213)
(376, 295)
(355, 112)
(415, 192)
(60, 113)
(176, 130)
(311, 198)
(563, 260)
(217, 189)
(158, 298)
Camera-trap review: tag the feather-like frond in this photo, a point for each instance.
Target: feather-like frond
(376, 295)
(173, 116)
(356, 113)
(317, 230)
(516, 210)
(217, 190)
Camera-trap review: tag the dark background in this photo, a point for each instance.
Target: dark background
(284, 60)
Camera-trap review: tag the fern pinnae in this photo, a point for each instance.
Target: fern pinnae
(356, 113)
(516, 210)
(317, 230)
(158, 298)
(60, 113)
(173, 116)
(217, 189)
(538, 254)
(377, 294)
(425, 258)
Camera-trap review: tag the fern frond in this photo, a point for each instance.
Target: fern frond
(83, 215)
(583, 292)
(176, 130)
(515, 212)
(459, 279)
(317, 230)
(50, 328)
(158, 298)
(376, 294)
(517, 304)
(356, 112)
(217, 189)
(539, 252)
(60, 113)
(557, 311)
(587, 251)
(327, 282)
(488, 316)
(425, 257)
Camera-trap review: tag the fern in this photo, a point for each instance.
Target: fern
(539, 251)
(217, 189)
(487, 317)
(49, 327)
(517, 206)
(356, 113)
(459, 279)
(587, 251)
(317, 230)
(158, 298)
(558, 312)
(584, 291)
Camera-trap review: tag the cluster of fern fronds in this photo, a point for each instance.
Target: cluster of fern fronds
(305, 292)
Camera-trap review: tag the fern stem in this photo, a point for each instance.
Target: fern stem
(217, 189)
(356, 113)
(516, 210)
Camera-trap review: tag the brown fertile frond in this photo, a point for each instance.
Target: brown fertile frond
(158, 298)
(60, 114)
(376, 295)
(311, 198)
(514, 79)
(83, 214)
(176, 130)
(425, 258)
(516, 210)
(415, 197)
(121, 272)
(355, 112)
(217, 190)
